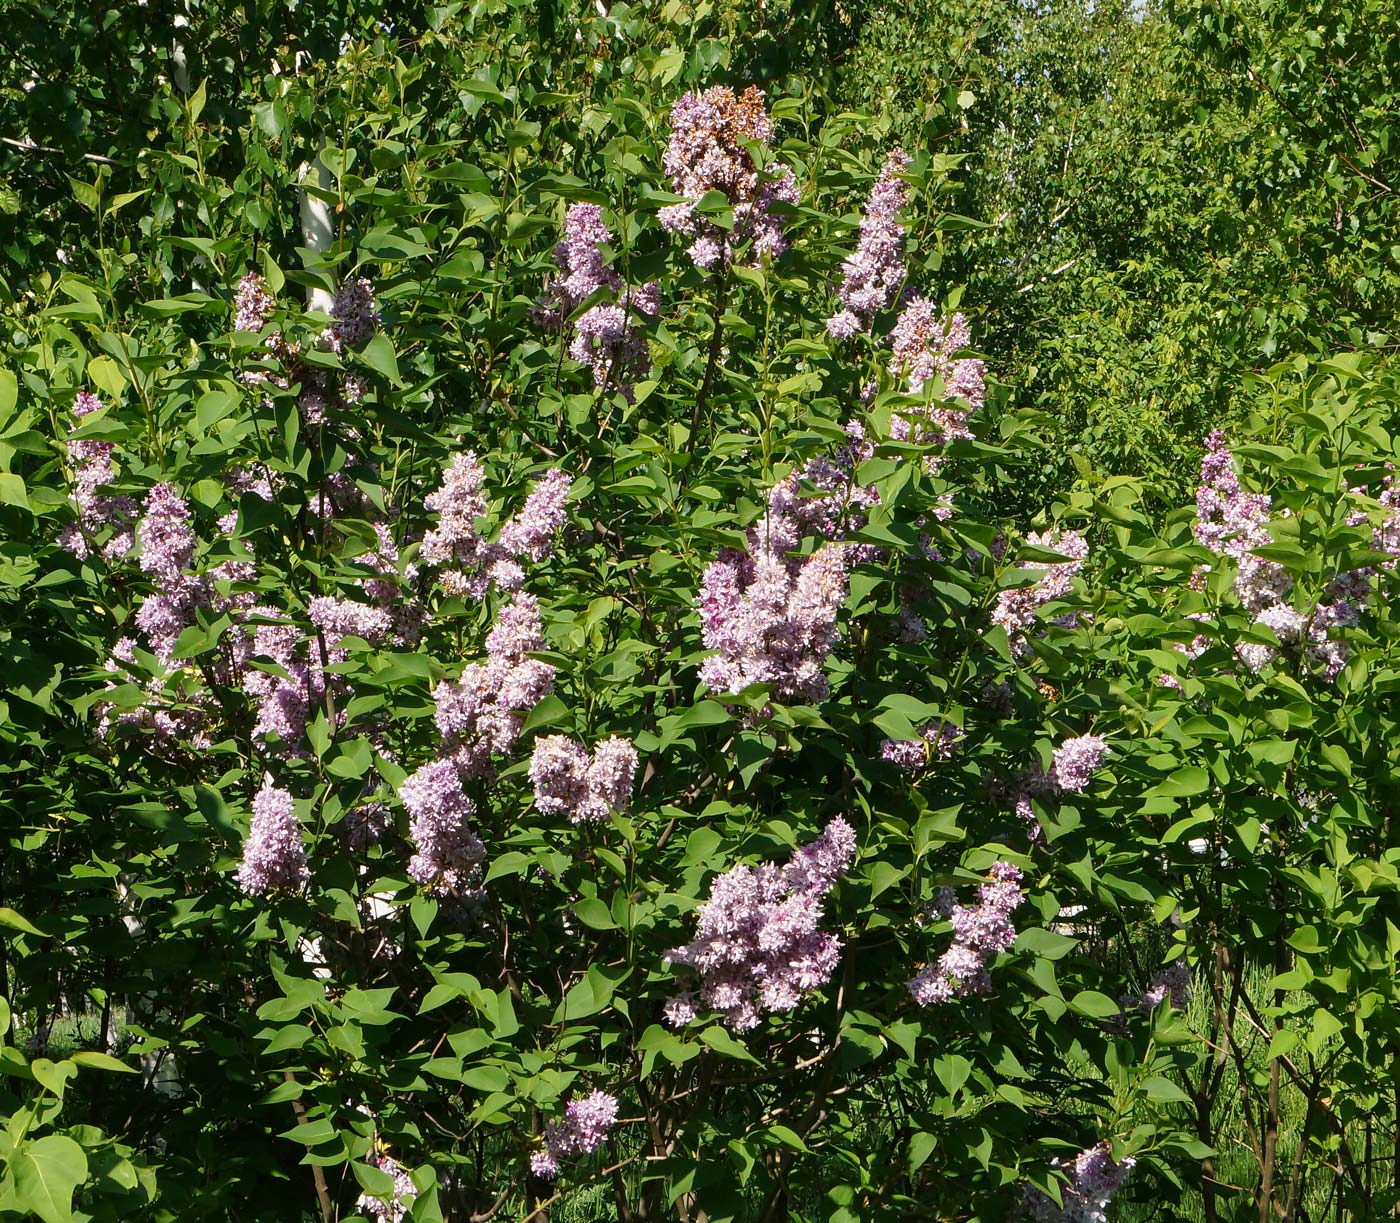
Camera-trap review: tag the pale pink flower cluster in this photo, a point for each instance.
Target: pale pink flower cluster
(1016, 609)
(1234, 523)
(758, 945)
(447, 850)
(980, 932)
(284, 696)
(936, 741)
(477, 564)
(871, 278)
(274, 858)
(568, 781)
(482, 712)
(925, 348)
(605, 337)
(840, 507)
(1076, 761)
(93, 468)
(707, 151)
(770, 616)
(581, 1131)
(1093, 1179)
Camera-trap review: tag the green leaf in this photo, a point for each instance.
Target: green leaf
(46, 1173)
(8, 917)
(719, 1039)
(102, 1061)
(1093, 1005)
(378, 353)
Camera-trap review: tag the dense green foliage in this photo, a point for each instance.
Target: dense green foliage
(1141, 211)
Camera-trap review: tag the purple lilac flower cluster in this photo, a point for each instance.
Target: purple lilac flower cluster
(708, 151)
(447, 849)
(354, 314)
(252, 303)
(477, 564)
(274, 857)
(1016, 608)
(980, 931)
(483, 711)
(841, 504)
(568, 781)
(936, 741)
(924, 347)
(394, 1208)
(605, 337)
(286, 695)
(93, 468)
(1076, 761)
(580, 1131)
(871, 278)
(1172, 984)
(771, 616)
(1092, 1181)
(1233, 523)
(758, 945)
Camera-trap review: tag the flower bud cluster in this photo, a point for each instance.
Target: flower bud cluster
(252, 303)
(758, 945)
(580, 1131)
(569, 782)
(708, 151)
(937, 741)
(1172, 984)
(980, 932)
(1092, 1181)
(871, 278)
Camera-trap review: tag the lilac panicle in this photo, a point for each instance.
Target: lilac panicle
(252, 303)
(474, 563)
(1093, 1178)
(480, 715)
(924, 347)
(568, 781)
(447, 848)
(770, 617)
(582, 267)
(758, 946)
(274, 857)
(581, 1131)
(395, 1208)
(707, 151)
(1076, 761)
(1016, 608)
(979, 932)
(165, 537)
(355, 315)
(871, 277)
(92, 468)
